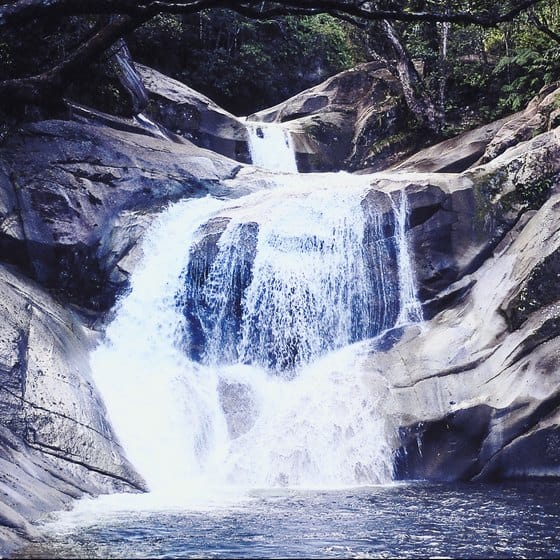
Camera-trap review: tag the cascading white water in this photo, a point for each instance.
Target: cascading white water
(231, 363)
(315, 285)
(410, 308)
(271, 147)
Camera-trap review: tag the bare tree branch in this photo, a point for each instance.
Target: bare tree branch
(53, 80)
(21, 11)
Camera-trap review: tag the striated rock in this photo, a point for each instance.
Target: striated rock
(356, 119)
(190, 114)
(56, 443)
(473, 395)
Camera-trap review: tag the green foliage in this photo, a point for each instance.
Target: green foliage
(525, 72)
(534, 194)
(243, 64)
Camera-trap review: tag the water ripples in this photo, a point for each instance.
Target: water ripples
(396, 521)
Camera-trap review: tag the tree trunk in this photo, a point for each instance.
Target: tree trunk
(417, 100)
(47, 88)
(442, 85)
(129, 78)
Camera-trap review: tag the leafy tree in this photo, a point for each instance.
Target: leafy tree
(47, 45)
(246, 64)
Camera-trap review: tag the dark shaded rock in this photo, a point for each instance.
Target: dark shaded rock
(482, 443)
(536, 454)
(188, 113)
(214, 319)
(443, 450)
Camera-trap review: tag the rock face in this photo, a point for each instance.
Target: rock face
(542, 114)
(56, 443)
(194, 116)
(75, 198)
(475, 391)
(356, 119)
(478, 398)
(456, 154)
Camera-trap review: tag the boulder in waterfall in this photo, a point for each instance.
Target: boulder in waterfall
(56, 443)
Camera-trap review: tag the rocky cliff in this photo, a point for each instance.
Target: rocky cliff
(471, 393)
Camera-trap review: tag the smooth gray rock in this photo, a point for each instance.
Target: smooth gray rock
(76, 198)
(188, 113)
(456, 154)
(56, 443)
(539, 116)
(356, 119)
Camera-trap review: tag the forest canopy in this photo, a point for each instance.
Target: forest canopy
(459, 62)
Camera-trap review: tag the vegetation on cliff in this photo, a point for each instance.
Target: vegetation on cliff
(459, 63)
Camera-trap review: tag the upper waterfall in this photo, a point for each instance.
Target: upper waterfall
(271, 147)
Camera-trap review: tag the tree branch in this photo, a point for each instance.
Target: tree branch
(21, 11)
(53, 81)
(543, 26)
(130, 14)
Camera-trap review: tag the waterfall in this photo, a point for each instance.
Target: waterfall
(284, 290)
(410, 308)
(271, 147)
(231, 361)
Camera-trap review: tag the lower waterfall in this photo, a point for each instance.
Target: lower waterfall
(229, 363)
